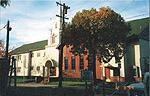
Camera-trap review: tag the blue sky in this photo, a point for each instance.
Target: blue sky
(30, 19)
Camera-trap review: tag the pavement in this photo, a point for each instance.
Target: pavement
(33, 84)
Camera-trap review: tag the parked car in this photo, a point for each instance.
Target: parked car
(140, 89)
(136, 89)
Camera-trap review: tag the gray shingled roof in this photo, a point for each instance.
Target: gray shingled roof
(30, 47)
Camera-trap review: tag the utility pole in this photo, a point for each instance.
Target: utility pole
(7, 39)
(4, 66)
(61, 43)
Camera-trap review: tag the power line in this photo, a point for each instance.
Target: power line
(3, 27)
(135, 16)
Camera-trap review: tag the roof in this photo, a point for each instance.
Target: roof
(30, 47)
(137, 26)
(145, 34)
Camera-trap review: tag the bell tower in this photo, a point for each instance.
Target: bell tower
(54, 36)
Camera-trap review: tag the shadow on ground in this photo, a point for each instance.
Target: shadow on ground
(44, 91)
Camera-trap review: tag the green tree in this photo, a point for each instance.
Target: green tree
(103, 33)
(4, 3)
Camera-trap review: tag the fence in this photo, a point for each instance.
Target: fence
(4, 70)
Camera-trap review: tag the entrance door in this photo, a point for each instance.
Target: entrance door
(46, 71)
(48, 66)
(107, 73)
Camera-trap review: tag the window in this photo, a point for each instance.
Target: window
(38, 68)
(66, 63)
(136, 71)
(73, 63)
(53, 71)
(81, 62)
(53, 38)
(44, 54)
(38, 54)
(32, 55)
(19, 57)
(24, 61)
(18, 69)
(116, 72)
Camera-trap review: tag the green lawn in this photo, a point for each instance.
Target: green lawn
(70, 88)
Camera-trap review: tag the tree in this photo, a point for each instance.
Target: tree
(1, 48)
(103, 33)
(4, 3)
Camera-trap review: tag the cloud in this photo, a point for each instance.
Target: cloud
(29, 23)
(30, 19)
(28, 30)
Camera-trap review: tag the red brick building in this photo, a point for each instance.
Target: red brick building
(133, 64)
(73, 64)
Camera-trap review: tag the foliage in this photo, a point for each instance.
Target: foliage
(104, 31)
(4, 3)
(76, 33)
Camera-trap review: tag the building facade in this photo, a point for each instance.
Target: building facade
(74, 65)
(137, 55)
(40, 59)
(132, 64)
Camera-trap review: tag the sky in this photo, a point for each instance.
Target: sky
(31, 20)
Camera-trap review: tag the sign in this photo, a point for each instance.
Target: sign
(86, 75)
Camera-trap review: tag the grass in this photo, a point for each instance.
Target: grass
(70, 88)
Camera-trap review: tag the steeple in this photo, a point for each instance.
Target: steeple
(53, 38)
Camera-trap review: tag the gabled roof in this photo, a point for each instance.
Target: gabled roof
(30, 47)
(137, 26)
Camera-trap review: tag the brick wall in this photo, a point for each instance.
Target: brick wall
(70, 73)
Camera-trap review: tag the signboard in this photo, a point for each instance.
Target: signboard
(86, 75)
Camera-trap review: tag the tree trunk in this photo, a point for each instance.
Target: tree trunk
(94, 66)
(92, 63)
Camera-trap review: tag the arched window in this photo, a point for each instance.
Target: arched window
(81, 62)
(73, 59)
(66, 63)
